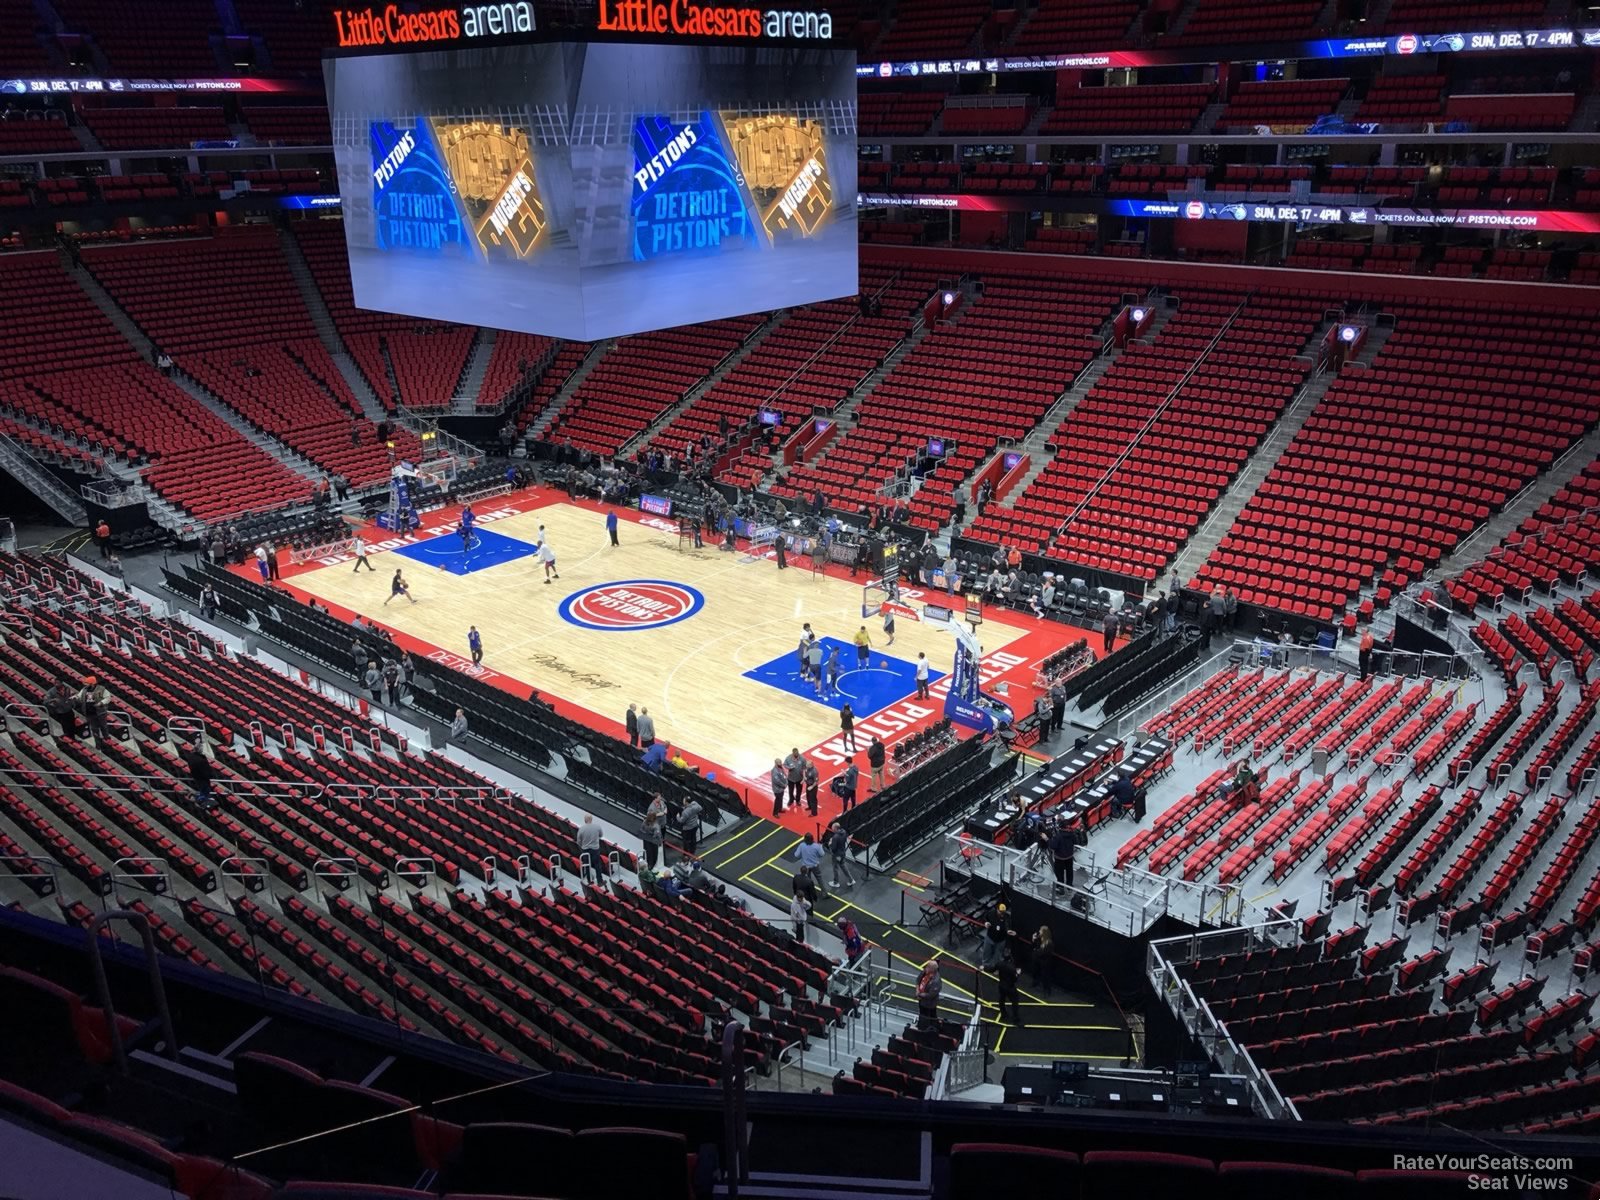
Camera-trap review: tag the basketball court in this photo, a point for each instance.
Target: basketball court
(705, 639)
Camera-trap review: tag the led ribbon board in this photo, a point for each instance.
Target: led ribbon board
(688, 196)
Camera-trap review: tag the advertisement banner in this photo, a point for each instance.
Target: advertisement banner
(1501, 41)
(1298, 213)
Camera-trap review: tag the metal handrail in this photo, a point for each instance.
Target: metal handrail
(15, 712)
(52, 868)
(164, 874)
(403, 870)
(195, 727)
(158, 990)
(735, 1128)
(261, 872)
(318, 868)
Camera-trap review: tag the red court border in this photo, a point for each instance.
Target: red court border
(891, 723)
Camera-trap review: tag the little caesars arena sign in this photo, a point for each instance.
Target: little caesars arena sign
(392, 26)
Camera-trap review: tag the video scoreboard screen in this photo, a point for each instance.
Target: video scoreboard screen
(590, 190)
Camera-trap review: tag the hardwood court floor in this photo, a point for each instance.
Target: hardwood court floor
(689, 672)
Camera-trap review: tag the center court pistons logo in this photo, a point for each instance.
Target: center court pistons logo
(630, 604)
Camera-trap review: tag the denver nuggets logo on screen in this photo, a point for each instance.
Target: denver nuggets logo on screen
(632, 604)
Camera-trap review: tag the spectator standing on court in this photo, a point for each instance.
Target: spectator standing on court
(838, 843)
(780, 785)
(631, 721)
(1108, 630)
(358, 546)
(845, 786)
(814, 665)
(809, 854)
(611, 526)
(647, 728)
(475, 644)
(875, 757)
(922, 676)
(806, 638)
(888, 626)
(261, 563)
(1058, 706)
(847, 726)
(795, 768)
(813, 783)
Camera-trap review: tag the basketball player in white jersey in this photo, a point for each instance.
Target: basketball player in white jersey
(548, 557)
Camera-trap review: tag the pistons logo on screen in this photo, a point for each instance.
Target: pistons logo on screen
(1406, 43)
(631, 604)
(1195, 209)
